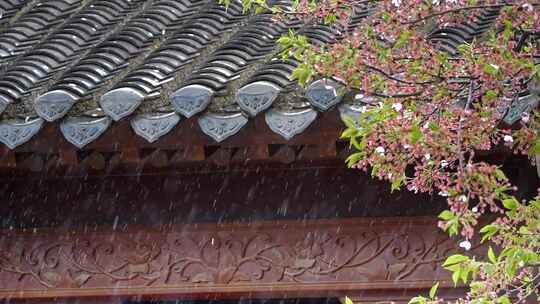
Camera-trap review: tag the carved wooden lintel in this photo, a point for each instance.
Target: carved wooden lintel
(293, 258)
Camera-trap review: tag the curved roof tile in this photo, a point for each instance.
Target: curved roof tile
(88, 63)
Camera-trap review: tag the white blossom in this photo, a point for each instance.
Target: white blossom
(397, 106)
(396, 3)
(444, 163)
(508, 139)
(463, 198)
(427, 156)
(465, 245)
(474, 209)
(380, 150)
(525, 117)
(528, 7)
(443, 193)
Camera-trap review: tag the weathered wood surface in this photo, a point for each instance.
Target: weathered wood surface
(271, 258)
(213, 196)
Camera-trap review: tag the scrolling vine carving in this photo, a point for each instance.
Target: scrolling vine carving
(345, 251)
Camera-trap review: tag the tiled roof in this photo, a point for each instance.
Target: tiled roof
(87, 63)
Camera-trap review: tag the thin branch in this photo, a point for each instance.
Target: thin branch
(460, 127)
(459, 9)
(380, 71)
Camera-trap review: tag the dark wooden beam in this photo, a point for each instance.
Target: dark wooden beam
(94, 161)
(272, 259)
(68, 158)
(7, 158)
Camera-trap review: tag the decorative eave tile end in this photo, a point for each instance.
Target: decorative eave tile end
(191, 99)
(15, 132)
(289, 123)
(324, 93)
(152, 126)
(54, 105)
(220, 126)
(121, 102)
(519, 107)
(257, 97)
(83, 130)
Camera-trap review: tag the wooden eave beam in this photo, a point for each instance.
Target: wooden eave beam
(275, 259)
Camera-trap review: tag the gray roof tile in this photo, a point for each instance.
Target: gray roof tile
(89, 62)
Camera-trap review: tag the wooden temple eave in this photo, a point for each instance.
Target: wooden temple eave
(273, 259)
(183, 146)
(51, 224)
(254, 216)
(188, 133)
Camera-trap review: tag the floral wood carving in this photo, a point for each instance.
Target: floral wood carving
(330, 254)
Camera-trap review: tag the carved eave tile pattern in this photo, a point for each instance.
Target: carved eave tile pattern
(81, 131)
(220, 126)
(272, 257)
(152, 126)
(289, 123)
(130, 59)
(15, 132)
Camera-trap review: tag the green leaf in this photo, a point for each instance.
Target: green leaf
(455, 277)
(535, 147)
(348, 133)
(416, 134)
(504, 300)
(396, 184)
(357, 145)
(510, 203)
(455, 259)
(348, 301)
(330, 18)
(284, 41)
(488, 231)
(499, 174)
(418, 300)
(349, 122)
(453, 228)
(302, 73)
(524, 230)
(402, 39)
(433, 290)
(447, 215)
(491, 94)
(464, 274)
(354, 158)
(491, 69)
(491, 256)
